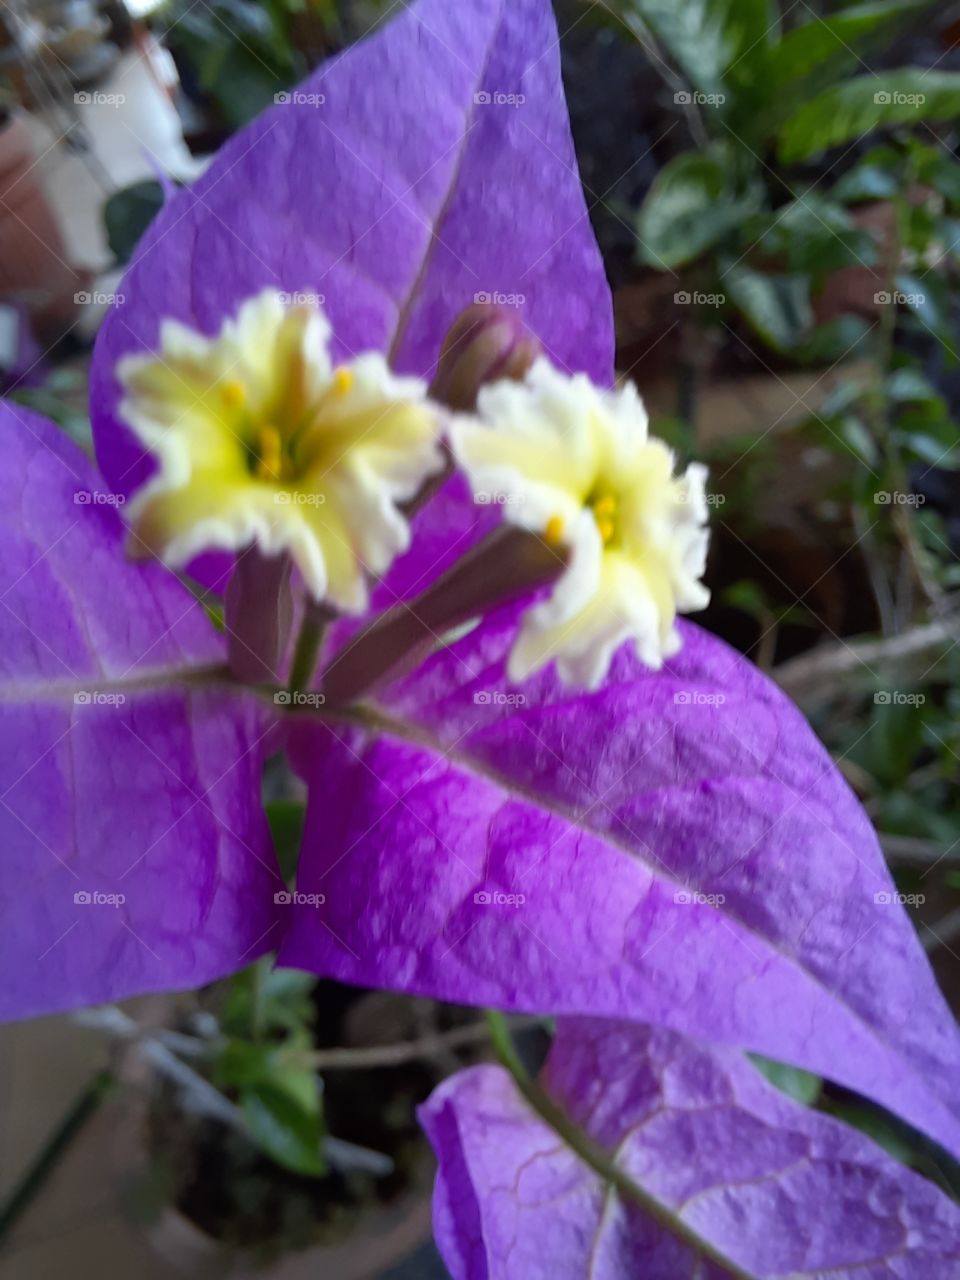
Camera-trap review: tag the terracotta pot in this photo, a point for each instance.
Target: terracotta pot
(33, 266)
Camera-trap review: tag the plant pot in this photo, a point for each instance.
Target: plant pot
(33, 269)
(363, 1245)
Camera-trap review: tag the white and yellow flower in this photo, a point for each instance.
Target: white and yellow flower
(574, 463)
(260, 439)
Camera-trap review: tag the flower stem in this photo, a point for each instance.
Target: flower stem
(506, 565)
(592, 1154)
(312, 628)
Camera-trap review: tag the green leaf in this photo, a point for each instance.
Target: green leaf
(856, 107)
(284, 1130)
(835, 39)
(691, 207)
(866, 182)
(128, 213)
(777, 307)
(817, 237)
(796, 1083)
(695, 34)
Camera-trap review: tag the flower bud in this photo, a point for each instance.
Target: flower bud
(484, 344)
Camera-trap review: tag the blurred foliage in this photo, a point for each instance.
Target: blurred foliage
(240, 53)
(759, 95)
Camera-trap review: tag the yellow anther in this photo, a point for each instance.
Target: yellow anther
(233, 394)
(607, 529)
(605, 507)
(342, 381)
(269, 454)
(554, 530)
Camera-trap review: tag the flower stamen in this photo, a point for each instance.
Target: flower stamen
(553, 533)
(343, 380)
(269, 454)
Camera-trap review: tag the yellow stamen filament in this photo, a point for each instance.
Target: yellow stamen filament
(269, 454)
(342, 381)
(554, 530)
(234, 395)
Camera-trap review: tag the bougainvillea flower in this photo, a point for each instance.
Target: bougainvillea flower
(733, 1178)
(260, 439)
(673, 847)
(574, 463)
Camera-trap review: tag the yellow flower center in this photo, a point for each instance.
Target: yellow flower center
(269, 462)
(605, 513)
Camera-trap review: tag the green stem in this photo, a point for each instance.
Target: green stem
(594, 1155)
(305, 655)
(34, 1180)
